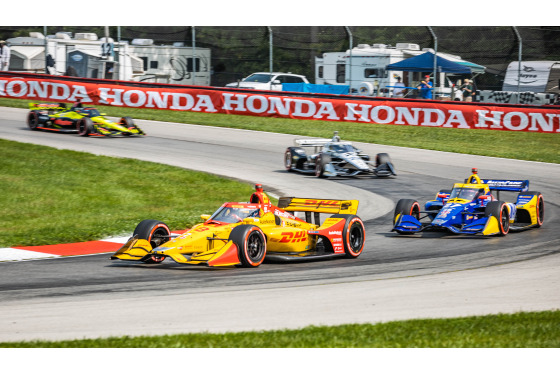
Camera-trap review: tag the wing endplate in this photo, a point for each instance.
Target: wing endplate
(133, 250)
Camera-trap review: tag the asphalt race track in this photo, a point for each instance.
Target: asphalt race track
(396, 277)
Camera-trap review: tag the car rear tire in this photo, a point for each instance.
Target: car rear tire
(409, 207)
(353, 235)
(251, 244)
(499, 210)
(154, 231)
(290, 160)
(320, 163)
(85, 126)
(33, 120)
(539, 207)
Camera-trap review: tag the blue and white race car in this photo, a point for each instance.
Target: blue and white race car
(334, 157)
(471, 208)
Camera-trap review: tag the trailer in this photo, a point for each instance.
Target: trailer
(527, 82)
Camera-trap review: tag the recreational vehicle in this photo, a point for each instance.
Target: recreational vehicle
(175, 63)
(86, 55)
(364, 69)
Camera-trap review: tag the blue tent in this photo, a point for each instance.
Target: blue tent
(425, 63)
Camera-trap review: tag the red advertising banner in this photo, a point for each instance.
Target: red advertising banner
(445, 114)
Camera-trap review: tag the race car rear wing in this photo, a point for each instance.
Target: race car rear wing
(47, 106)
(316, 142)
(297, 204)
(507, 185)
(311, 142)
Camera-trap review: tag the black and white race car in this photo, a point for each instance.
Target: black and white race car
(333, 157)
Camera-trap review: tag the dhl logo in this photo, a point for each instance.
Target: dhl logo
(311, 202)
(293, 237)
(200, 229)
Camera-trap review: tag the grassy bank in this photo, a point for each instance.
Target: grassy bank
(519, 330)
(506, 144)
(54, 196)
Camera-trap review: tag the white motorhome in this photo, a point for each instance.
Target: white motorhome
(172, 64)
(364, 69)
(84, 55)
(88, 56)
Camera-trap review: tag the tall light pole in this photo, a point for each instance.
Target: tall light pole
(270, 48)
(519, 61)
(435, 59)
(351, 43)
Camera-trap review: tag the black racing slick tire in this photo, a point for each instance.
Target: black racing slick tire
(353, 235)
(33, 120)
(154, 231)
(85, 126)
(251, 244)
(320, 163)
(499, 210)
(384, 165)
(294, 157)
(382, 158)
(128, 122)
(539, 207)
(409, 207)
(288, 159)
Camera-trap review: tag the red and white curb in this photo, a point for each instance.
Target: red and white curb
(109, 245)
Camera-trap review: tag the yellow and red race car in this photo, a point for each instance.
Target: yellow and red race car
(245, 233)
(85, 121)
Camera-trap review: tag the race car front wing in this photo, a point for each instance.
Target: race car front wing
(408, 224)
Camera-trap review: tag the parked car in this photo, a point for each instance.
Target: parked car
(268, 81)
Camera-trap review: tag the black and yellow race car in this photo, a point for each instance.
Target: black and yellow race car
(85, 121)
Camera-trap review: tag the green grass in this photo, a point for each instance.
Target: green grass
(54, 196)
(507, 144)
(519, 330)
